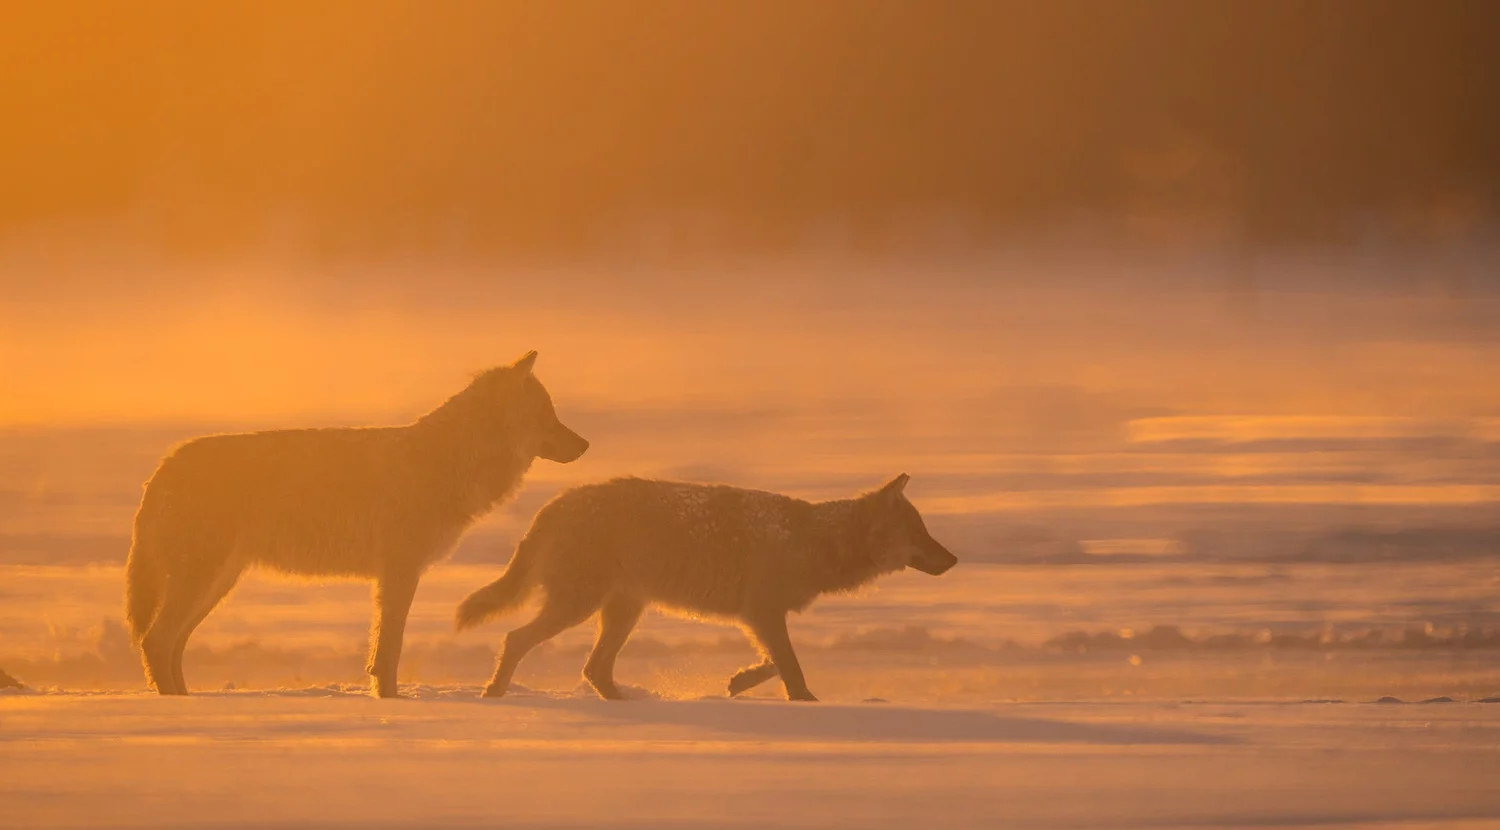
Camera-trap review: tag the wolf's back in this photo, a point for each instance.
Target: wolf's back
(698, 548)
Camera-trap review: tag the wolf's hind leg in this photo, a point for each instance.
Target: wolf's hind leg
(189, 591)
(556, 616)
(393, 596)
(616, 620)
(223, 583)
(771, 632)
(748, 678)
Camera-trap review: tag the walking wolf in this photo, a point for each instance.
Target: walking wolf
(712, 551)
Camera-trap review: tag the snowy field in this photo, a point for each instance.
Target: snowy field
(1131, 696)
(327, 757)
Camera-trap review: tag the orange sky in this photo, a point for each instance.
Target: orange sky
(340, 128)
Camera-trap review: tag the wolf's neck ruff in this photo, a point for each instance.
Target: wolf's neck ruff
(478, 470)
(482, 461)
(842, 563)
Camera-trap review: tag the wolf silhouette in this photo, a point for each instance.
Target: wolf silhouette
(379, 503)
(711, 551)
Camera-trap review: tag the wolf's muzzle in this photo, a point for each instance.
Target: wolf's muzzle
(934, 559)
(563, 445)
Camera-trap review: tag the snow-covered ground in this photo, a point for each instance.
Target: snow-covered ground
(1143, 695)
(331, 757)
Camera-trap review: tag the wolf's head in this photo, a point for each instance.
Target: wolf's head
(896, 536)
(554, 441)
(512, 400)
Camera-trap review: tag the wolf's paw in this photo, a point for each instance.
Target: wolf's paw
(748, 678)
(802, 696)
(628, 692)
(738, 684)
(384, 689)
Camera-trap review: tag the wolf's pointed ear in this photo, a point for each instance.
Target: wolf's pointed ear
(892, 491)
(526, 362)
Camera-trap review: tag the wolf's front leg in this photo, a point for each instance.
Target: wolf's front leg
(773, 637)
(748, 678)
(616, 619)
(393, 596)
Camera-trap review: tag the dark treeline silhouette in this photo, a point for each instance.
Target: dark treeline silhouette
(539, 127)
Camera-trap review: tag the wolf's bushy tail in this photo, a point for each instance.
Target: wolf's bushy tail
(145, 568)
(502, 595)
(144, 581)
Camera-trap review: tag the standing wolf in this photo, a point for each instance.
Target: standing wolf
(376, 503)
(712, 551)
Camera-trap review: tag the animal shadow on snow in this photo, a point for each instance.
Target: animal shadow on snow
(865, 722)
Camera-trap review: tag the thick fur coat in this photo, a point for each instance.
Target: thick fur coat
(373, 503)
(715, 551)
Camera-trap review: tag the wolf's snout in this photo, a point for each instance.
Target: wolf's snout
(934, 559)
(563, 445)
